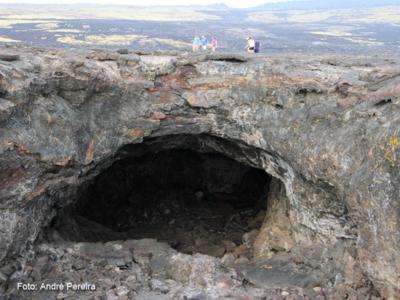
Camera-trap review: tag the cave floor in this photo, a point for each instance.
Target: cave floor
(152, 270)
(212, 228)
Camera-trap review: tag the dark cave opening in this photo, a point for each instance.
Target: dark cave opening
(195, 201)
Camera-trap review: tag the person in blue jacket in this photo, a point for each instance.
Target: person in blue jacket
(204, 42)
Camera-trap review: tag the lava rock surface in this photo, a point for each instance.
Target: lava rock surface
(327, 128)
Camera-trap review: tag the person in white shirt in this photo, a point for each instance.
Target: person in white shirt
(251, 44)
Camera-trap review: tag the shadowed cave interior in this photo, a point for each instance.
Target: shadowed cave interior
(196, 201)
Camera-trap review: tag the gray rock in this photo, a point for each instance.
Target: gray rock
(111, 295)
(159, 286)
(332, 147)
(195, 295)
(122, 291)
(116, 262)
(123, 51)
(150, 296)
(6, 109)
(3, 278)
(8, 269)
(9, 57)
(228, 259)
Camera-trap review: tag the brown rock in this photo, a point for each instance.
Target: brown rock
(136, 133)
(229, 245)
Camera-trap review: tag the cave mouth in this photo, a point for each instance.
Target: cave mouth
(197, 202)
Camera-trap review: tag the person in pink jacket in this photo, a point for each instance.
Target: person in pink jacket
(214, 43)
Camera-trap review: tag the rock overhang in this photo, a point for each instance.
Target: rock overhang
(311, 122)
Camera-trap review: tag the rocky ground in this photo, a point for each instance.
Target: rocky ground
(150, 270)
(324, 128)
(198, 227)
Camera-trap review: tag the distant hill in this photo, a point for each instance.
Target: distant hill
(216, 6)
(329, 4)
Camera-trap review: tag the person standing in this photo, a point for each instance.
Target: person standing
(257, 46)
(251, 44)
(214, 43)
(204, 42)
(196, 43)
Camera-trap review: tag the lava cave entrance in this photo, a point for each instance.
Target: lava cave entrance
(195, 201)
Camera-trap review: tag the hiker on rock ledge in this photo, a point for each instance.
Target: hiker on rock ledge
(204, 42)
(196, 43)
(251, 44)
(214, 43)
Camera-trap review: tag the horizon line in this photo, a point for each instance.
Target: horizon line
(69, 3)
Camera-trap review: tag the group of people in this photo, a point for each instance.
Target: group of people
(203, 43)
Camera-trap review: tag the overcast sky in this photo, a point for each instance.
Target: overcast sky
(231, 3)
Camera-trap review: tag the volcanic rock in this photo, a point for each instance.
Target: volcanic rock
(328, 134)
